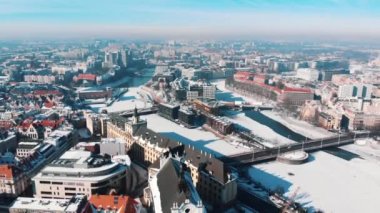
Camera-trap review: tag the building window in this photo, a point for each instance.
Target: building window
(70, 194)
(45, 182)
(57, 183)
(45, 193)
(70, 189)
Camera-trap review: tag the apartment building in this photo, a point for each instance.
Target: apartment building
(121, 127)
(27, 148)
(251, 84)
(13, 180)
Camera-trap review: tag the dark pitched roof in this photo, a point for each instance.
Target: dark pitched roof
(207, 162)
(173, 186)
(156, 138)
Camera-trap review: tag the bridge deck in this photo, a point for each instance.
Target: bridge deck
(308, 146)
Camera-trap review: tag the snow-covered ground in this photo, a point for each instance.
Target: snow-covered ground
(301, 127)
(197, 137)
(127, 101)
(365, 151)
(260, 130)
(328, 182)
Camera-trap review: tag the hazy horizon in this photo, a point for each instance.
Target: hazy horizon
(356, 20)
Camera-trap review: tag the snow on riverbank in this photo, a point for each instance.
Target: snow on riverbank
(197, 137)
(326, 182)
(226, 95)
(127, 101)
(298, 126)
(301, 127)
(260, 130)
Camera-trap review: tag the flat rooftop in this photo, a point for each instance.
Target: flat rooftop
(47, 204)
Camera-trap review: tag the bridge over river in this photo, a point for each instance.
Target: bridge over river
(308, 146)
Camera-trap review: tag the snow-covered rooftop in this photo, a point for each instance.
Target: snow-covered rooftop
(47, 205)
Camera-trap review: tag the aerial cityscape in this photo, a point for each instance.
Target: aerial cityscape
(184, 106)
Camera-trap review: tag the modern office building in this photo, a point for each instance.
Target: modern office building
(186, 116)
(327, 75)
(79, 172)
(169, 111)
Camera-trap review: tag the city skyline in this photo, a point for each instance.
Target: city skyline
(188, 19)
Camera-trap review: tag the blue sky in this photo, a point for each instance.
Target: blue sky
(347, 19)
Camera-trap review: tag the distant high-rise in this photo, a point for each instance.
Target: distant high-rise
(348, 91)
(125, 57)
(112, 58)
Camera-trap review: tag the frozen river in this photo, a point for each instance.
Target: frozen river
(327, 182)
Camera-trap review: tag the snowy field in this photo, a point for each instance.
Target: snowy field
(127, 101)
(301, 127)
(260, 130)
(198, 137)
(328, 182)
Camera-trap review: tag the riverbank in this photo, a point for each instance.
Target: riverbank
(128, 100)
(302, 127)
(271, 137)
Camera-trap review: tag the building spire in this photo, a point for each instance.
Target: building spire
(135, 115)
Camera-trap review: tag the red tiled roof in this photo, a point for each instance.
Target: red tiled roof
(300, 90)
(122, 204)
(243, 75)
(89, 77)
(26, 123)
(9, 171)
(49, 104)
(49, 123)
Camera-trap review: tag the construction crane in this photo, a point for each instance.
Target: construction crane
(290, 201)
